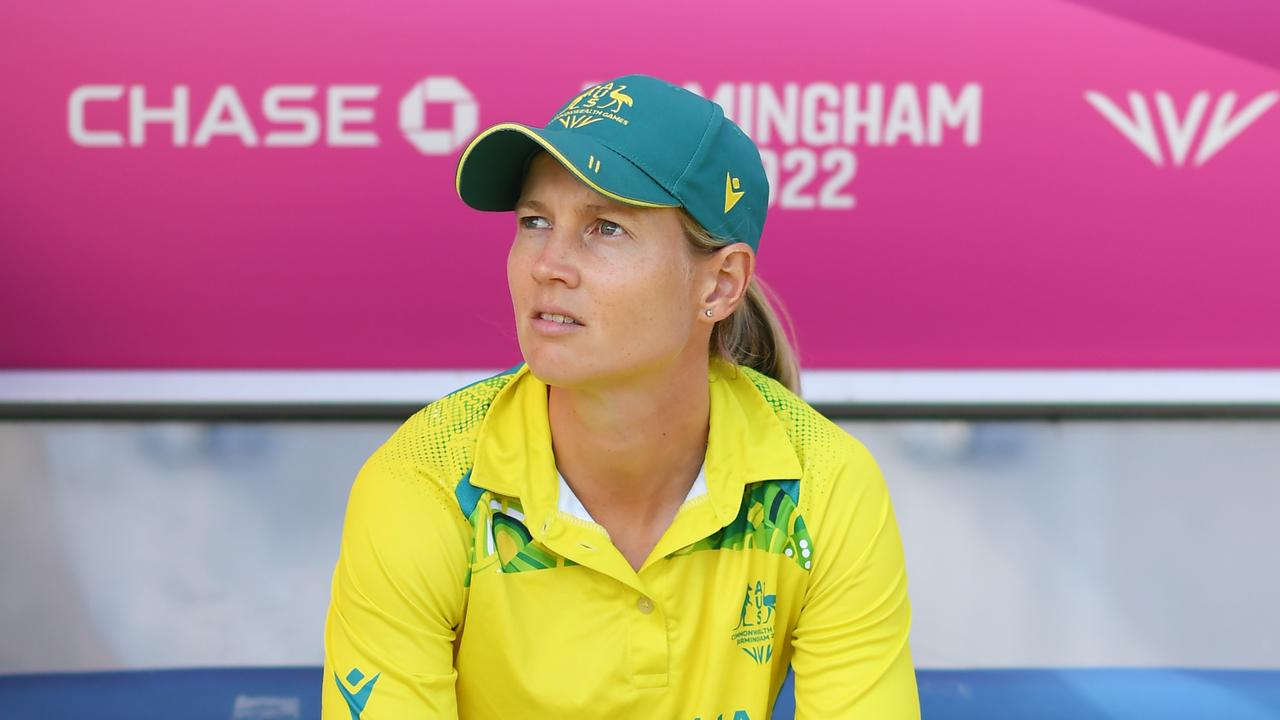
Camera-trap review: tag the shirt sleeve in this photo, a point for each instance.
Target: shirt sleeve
(850, 652)
(397, 598)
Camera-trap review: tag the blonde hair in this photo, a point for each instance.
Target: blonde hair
(752, 335)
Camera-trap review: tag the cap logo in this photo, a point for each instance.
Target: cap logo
(731, 192)
(596, 103)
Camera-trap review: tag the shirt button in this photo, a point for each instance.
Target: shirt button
(644, 605)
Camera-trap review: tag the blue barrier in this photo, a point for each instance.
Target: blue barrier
(1026, 694)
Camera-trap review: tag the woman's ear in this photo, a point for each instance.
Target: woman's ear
(731, 268)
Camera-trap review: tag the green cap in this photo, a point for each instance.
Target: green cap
(639, 140)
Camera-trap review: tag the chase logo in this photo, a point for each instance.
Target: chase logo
(445, 137)
(356, 699)
(754, 633)
(596, 103)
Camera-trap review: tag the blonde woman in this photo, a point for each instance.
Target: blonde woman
(641, 519)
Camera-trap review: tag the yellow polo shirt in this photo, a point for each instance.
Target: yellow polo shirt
(470, 585)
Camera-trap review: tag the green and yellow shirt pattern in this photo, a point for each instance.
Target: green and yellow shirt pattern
(465, 589)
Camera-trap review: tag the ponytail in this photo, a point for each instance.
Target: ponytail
(752, 335)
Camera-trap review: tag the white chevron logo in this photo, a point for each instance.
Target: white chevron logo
(1137, 126)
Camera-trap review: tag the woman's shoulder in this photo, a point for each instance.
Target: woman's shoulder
(438, 441)
(832, 461)
(815, 437)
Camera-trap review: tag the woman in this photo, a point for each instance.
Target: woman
(641, 520)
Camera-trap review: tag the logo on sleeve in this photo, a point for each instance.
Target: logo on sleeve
(754, 633)
(356, 699)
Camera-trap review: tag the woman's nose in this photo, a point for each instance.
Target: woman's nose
(556, 260)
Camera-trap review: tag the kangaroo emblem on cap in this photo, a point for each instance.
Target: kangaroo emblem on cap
(731, 192)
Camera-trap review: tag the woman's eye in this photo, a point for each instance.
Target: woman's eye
(534, 222)
(611, 229)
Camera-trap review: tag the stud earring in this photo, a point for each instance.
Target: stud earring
(709, 313)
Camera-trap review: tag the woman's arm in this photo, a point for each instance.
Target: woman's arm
(397, 599)
(851, 656)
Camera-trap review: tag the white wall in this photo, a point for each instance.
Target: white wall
(1088, 543)
(129, 545)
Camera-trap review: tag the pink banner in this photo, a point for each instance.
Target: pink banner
(994, 184)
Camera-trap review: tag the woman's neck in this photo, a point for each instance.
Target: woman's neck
(633, 449)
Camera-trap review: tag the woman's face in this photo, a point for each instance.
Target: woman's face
(625, 275)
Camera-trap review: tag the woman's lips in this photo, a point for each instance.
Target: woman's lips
(554, 328)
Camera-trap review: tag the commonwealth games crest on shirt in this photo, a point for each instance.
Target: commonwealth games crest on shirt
(754, 633)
